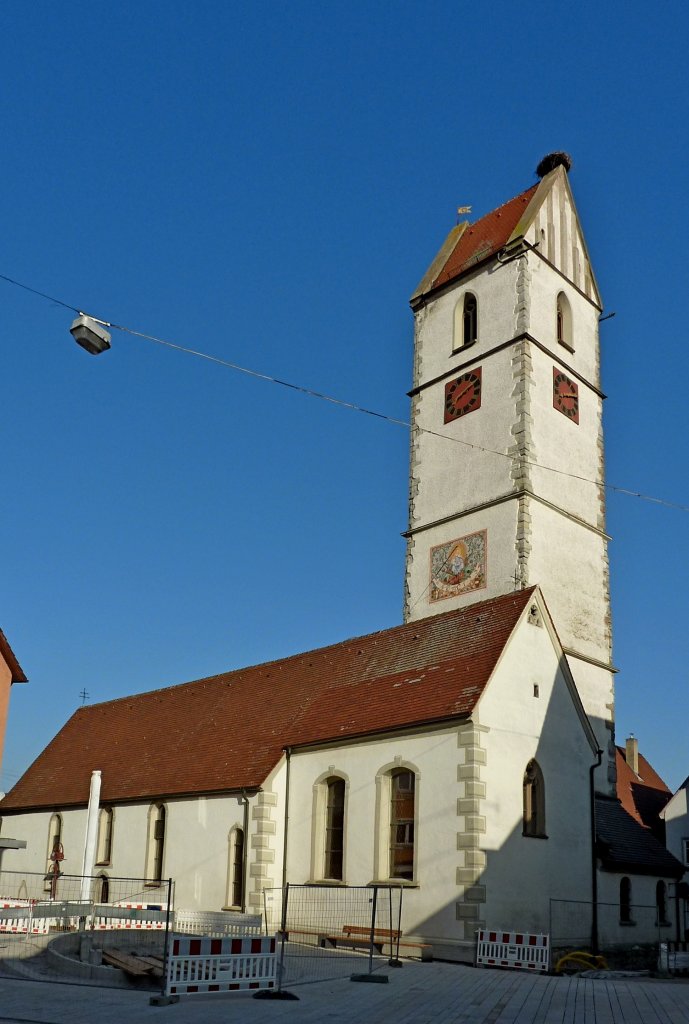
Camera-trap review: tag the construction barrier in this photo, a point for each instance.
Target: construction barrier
(217, 924)
(17, 918)
(201, 965)
(130, 916)
(513, 949)
(674, 957)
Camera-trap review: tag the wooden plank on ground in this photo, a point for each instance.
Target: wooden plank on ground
(126, 962)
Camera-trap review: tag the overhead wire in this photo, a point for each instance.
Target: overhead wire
(343, 403)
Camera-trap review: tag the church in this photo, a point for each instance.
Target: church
(465, 755)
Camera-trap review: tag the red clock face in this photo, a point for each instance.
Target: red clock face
(565, 395)
(463, 395)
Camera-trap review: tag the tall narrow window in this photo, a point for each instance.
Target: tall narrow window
(466, 321)
(334, 828)
(625, 901)
(156, 843)
(563, 320)
(55, 854)
(402, 824)
(661, 903)
(235, 896)
(104, 845)
(103, 890)
(534, 801)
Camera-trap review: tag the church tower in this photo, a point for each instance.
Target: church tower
(506, 470)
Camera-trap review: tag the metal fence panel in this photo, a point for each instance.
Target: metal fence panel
(87, 931)
(328, 932)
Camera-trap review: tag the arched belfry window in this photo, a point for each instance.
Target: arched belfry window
(563, 317)
(402, 808)
(466, 321)
(625, 901)
(534, 801)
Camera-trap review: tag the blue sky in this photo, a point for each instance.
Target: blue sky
(267, 183)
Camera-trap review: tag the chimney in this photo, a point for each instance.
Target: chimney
(631, 753)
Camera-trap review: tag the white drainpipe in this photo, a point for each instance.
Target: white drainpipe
(91, 834)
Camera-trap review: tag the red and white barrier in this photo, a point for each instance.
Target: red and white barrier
(129, 916)
(513, 949)
(199, 965)
(16, 918)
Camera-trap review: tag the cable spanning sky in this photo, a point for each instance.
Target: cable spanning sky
(266, 185)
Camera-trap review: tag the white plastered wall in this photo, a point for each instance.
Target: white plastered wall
(522, 873)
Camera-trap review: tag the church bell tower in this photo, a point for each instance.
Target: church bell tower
(506, 468)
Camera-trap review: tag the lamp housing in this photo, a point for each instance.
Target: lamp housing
(91, 335)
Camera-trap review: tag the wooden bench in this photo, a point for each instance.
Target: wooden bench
(358, 937)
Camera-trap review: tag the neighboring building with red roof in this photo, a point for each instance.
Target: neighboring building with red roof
(455, 756)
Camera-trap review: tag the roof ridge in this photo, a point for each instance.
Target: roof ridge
(456, 612)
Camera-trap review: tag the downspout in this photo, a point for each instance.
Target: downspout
(245, 851)
(90, 837)
(288, 754)
(594, 866)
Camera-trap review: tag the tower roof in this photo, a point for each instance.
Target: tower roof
(470, 245)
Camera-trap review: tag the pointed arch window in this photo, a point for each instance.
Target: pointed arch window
(466, 321)
(104, 844)
(156, 842)
(534, 801)
(563, 320)
(402, 813)
(625, 901)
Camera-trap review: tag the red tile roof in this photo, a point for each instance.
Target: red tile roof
(228, 731)
(643, 795)
(484, 238)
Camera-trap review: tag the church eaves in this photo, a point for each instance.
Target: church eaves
(227, 732)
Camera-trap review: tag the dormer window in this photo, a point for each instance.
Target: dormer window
(563, 316)
(466, 321)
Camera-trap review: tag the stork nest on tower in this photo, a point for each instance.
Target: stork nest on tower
(553, 160)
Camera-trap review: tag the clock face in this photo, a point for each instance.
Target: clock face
(565, 395)
(463, 395)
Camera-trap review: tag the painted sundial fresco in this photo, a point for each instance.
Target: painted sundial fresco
(458, 567)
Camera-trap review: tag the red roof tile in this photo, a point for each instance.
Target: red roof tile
(227, 732)
(643, 795)
(484, 238)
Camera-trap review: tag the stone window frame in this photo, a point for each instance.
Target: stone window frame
(534, 804)
(106, 830)
(235, 863)
(55, 831)
(564, 328)
(465, 321)
(383, 816)
(156, 843)
(319, 827)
